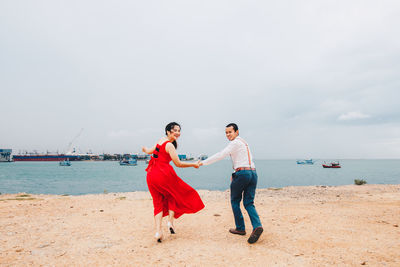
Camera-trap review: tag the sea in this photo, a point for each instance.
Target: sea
(98, 177)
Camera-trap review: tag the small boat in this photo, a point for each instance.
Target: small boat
(203, 157)
(65, 163)
(306, 161)
(128, 162)
(334, 165)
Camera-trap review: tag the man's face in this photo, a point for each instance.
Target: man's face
(230, 133)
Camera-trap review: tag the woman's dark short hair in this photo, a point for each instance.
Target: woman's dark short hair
(235, 127)
(169, 127)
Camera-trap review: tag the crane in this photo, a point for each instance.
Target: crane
(69, 148)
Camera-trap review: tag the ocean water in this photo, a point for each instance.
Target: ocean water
(96, 177)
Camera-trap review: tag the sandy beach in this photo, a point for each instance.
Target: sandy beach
(303, 226)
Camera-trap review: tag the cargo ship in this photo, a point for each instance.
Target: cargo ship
(45, 157)
(70, 155)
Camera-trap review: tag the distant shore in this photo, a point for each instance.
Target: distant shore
(304, 226)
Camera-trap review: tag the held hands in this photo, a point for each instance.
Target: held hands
(198, 164)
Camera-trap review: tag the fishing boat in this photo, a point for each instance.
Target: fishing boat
(202, 157)
(65, 163)
(334, 165)
(128, 162)
(5, 155)
(185, 157)
(306, 161)
(142, 156)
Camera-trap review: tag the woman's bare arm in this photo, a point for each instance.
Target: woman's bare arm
(174, 156)
(148, 150)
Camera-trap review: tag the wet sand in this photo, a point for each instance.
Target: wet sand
(303, 226)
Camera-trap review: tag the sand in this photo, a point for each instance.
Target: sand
(303, 226)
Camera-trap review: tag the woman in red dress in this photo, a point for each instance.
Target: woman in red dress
(172, 197)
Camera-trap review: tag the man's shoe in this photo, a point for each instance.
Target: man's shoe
(255, 235)
(237, 232)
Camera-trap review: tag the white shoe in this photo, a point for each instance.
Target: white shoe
(158, 237)
(171, 228)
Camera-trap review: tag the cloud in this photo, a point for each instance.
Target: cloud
(119, 134)
(141, 132)
(353, 115)
(283, 74)
(205, 133)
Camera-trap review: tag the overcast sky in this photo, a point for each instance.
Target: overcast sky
(302, 79)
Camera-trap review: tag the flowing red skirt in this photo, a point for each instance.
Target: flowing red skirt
(170, 192)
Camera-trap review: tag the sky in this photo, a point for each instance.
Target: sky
(302, 79)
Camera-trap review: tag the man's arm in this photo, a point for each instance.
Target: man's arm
(220, 155)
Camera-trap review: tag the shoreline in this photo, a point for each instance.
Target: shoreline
(303, 225)
(199, 190)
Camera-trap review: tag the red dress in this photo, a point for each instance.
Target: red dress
(169, 192)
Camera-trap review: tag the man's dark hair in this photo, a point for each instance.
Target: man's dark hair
(235, 127)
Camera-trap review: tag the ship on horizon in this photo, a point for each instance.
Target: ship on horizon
(70, 155)
(34, 156)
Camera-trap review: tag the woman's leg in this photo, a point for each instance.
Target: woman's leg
(171, 216)
(158, 209)
(171, 221)
(158, 219)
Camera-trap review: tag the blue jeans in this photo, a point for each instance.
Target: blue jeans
(244, 183)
